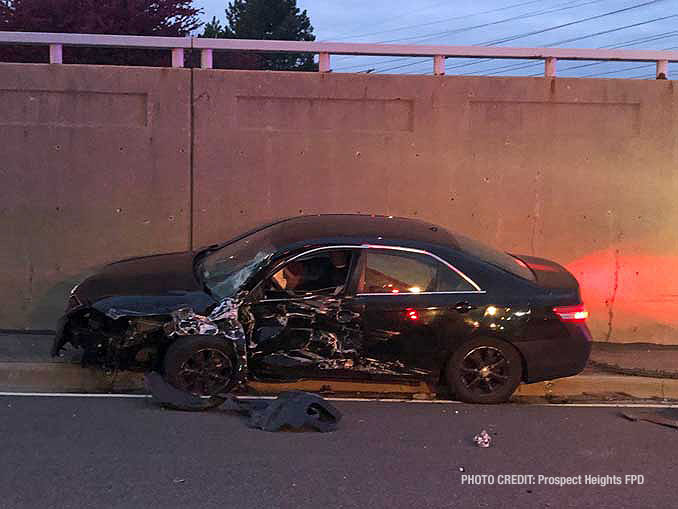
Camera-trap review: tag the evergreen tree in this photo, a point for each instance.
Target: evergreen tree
(263, 19)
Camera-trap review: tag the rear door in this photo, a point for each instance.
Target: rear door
(411, 303)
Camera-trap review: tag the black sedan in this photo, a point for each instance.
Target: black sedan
(334, 297)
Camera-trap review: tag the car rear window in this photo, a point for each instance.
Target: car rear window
(492, 256)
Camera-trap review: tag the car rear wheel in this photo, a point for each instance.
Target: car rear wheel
(484, 370)
(203, 366)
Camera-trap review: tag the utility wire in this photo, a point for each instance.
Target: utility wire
(564, 6)
(563, 25)
(536, 32)
(649, 39)
(627, 69)
(572, 39)
(419, 25)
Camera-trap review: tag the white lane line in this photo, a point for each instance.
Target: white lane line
(73, 395)
(368, 400)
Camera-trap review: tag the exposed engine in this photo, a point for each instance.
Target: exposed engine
(119, 341)
(132, 343)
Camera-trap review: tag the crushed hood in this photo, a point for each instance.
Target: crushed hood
(159, 275)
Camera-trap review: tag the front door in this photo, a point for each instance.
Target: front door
(304, 324)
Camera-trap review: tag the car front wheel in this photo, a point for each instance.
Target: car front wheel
(484, 370)
(203, 366)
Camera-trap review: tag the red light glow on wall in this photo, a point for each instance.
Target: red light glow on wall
(637, 286)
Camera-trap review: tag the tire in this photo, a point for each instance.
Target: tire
(182, 368)
(484, 370)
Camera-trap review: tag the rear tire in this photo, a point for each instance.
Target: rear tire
(484, 370)
(203, 366)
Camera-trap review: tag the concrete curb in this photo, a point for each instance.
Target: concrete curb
(603, 386)
(63, 377)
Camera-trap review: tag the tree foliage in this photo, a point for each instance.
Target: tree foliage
(263, 19)
(128, 17)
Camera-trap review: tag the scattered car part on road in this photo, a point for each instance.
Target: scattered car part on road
(295, 410)
(668, 417)
(292, 410)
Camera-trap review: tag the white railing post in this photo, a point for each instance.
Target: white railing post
(550, 67)
(662, 69)
(177, 57)
(324, 62)
(439, 65)
(206, 59)
(56, 54)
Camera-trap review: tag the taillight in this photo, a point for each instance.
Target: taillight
(572, 313)
(520, 262)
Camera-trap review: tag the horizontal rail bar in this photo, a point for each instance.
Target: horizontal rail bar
(439, 53)
(411, 50)
(109, 41)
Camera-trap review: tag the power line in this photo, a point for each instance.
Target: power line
(563, 25)
(572, 39)
(418, 25)
(626, 69)
(649, 39)
(528, 14)
(409, 13)
(535, 32)
(565, 6)
(528, 34)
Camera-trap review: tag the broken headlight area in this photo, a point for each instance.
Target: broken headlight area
(126, 343)
(125, 340)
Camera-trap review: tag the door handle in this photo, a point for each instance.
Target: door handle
(345, 316)
(463, 307)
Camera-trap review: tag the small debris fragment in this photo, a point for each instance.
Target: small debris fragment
(482, 439)
(179, 481)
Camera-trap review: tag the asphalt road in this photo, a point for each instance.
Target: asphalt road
(90, 452)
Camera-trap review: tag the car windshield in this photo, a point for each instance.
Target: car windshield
(497, 258)
(227, 268)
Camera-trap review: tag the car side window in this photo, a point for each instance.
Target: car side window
(401, 272)
(323, 272)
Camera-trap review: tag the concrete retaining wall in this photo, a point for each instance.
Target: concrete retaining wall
(582, 171)
(95, 166)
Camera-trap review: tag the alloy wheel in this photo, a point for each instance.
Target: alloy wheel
(207, 372)
(485, 370)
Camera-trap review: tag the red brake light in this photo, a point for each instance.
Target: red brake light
(572, 314)
(412, 314)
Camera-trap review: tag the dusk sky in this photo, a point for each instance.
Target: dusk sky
(457, 22)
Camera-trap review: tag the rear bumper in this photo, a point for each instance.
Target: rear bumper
(556, 357)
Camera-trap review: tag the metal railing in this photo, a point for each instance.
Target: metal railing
(324, 50)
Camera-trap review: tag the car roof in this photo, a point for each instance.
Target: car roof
(335, 228)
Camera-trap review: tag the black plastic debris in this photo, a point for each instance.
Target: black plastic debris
(168, 395)
(668, 417)
(295, 410)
